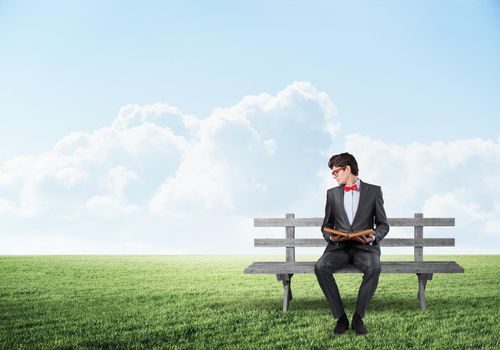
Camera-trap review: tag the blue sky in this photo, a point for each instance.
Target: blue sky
(398, 74)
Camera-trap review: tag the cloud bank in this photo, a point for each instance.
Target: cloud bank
(159, 181)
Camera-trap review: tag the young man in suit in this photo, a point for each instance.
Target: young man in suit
(352, 206)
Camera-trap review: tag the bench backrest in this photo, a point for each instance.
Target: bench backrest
(290, 242)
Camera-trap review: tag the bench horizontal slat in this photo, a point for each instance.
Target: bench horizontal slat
(387, 267)
(317, 222)
(386, 242)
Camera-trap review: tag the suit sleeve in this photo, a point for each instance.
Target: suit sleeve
(382, 225)
(329, 220)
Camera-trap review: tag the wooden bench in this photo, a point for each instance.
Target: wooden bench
(423, 269)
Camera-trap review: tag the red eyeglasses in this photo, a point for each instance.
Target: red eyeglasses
(336, 171)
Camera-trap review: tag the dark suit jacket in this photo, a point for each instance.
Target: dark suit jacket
(370, 215)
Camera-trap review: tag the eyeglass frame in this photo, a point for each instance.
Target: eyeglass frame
(335, 172)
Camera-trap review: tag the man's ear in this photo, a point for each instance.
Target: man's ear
(348, 167)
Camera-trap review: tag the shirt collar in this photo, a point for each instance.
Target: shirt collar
(357, 183)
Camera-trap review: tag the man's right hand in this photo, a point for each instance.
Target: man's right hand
(338, 238)
(365, 239)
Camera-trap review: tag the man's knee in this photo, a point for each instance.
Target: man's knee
(320, 267)
(373, 269)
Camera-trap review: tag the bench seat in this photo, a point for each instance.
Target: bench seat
(387, 267)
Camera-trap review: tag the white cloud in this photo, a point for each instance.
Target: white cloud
(255, 141)
(270, 146)
(136, 115)
(119, 177)
(113, 205)
(441, 179)
(108, 206)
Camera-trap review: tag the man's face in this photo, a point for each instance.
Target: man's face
(340, 174)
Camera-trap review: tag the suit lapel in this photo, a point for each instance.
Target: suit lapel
(363, 192)
(341, 204)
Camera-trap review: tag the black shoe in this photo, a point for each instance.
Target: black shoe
(342, 325)
(357, 324)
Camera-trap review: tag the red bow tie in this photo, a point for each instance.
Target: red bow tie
(353, 187)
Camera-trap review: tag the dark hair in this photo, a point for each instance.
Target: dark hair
(344, 159)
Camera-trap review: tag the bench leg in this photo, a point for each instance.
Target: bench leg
(287, 289)
(422, 283)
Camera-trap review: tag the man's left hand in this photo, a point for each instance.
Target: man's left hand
(366, 239)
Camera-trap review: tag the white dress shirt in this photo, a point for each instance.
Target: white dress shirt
(351, 202)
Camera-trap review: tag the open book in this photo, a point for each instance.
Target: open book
(350, 235)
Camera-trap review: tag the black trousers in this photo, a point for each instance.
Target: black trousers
(368, 262)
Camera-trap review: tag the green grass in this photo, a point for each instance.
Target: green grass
(185, 302)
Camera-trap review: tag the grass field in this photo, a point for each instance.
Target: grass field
(185, 302)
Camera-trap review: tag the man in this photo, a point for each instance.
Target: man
(352, 206)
